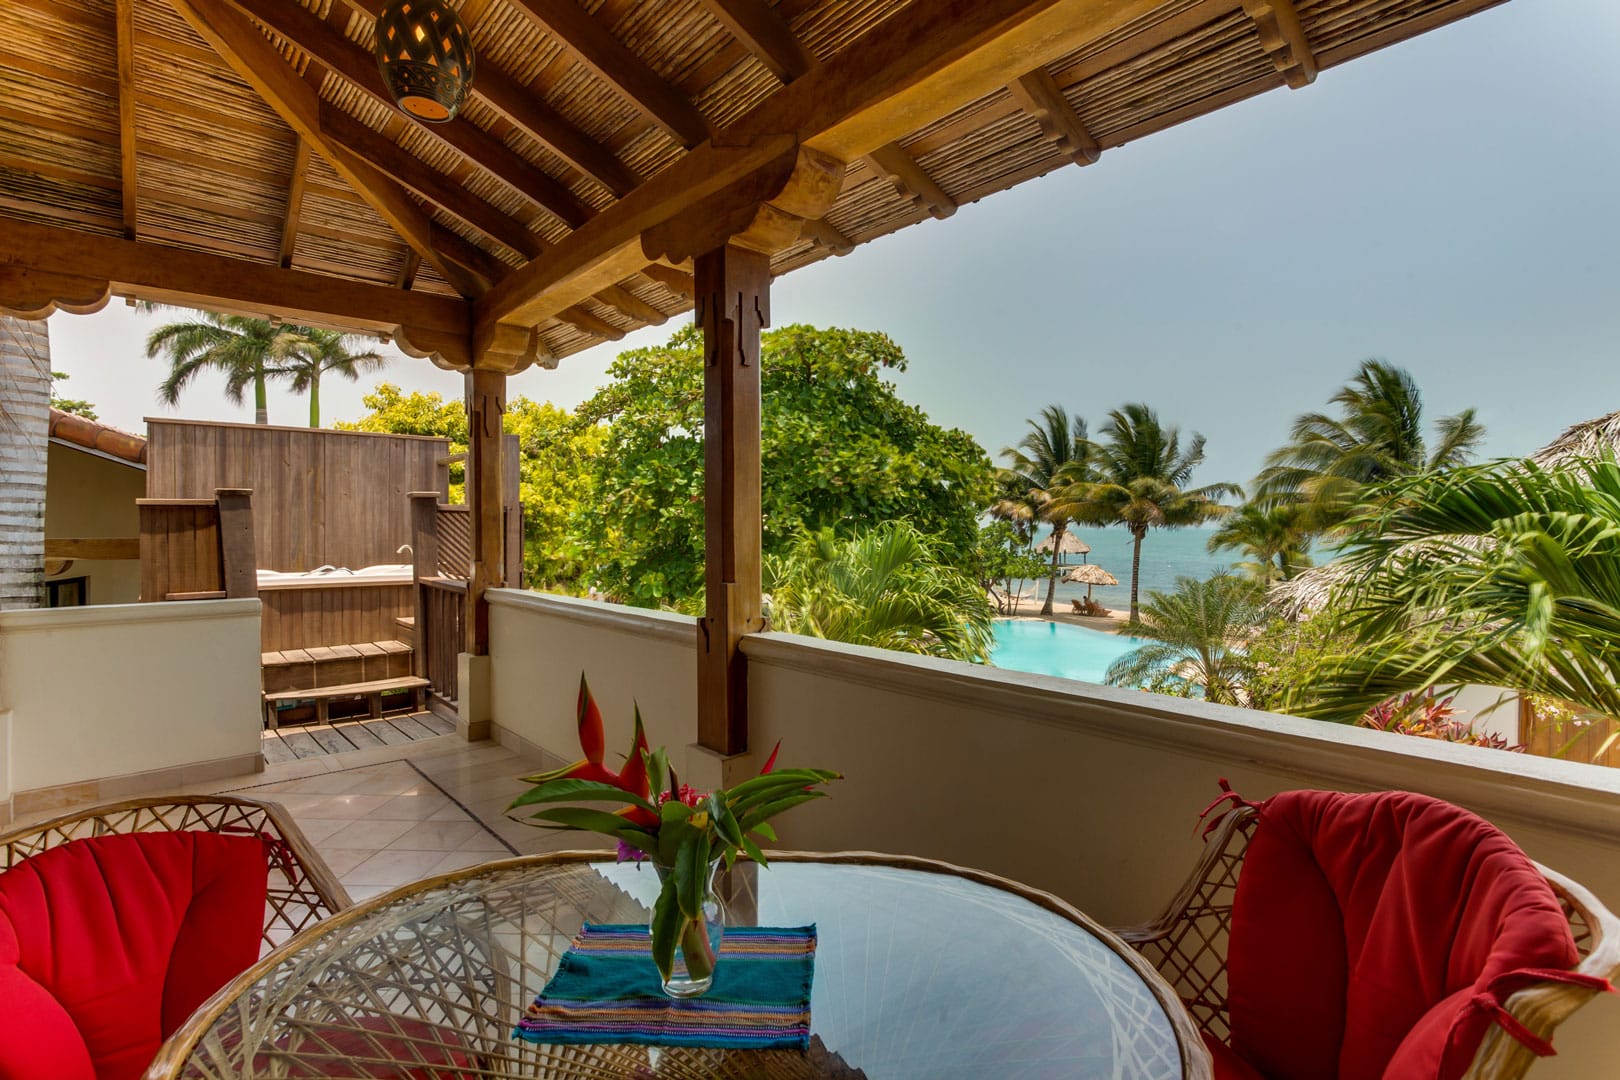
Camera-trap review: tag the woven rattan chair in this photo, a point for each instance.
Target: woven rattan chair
(302, 890)
(1187, 944)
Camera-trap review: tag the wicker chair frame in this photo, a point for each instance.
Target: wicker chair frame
(302, 889)
(1187, 944)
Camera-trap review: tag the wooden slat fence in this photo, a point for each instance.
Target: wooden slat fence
(197, 549)
(441, 632)
(345, 611)
(454, 525)
(1592, 739)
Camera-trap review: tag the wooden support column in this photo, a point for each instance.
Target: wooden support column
(733, 306)
(486, 404)
(238, 564)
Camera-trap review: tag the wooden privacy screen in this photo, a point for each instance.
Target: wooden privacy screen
(197, 549)
(320, 497)
(347, 611)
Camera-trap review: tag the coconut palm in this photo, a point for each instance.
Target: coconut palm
(1331, 462)
(1194, 637)
(1272, 536)
(244, 349)
(1505, 575)
(885, 588)
(1141, 473)
(304, 355)
(1054, 455)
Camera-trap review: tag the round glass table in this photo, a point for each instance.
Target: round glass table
(922, 970)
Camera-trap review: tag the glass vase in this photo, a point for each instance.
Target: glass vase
(697, 949)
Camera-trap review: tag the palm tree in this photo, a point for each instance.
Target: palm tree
(1194, 639)
(1331, 462)
(884, 588)
(245, 349)
(303, 355)
(1272, 536)
(1052, 456)
(1142, 472)
(1505, 575)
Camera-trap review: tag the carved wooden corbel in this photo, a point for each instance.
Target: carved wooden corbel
(1283, 38)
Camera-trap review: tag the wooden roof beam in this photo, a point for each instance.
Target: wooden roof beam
(258, 62)
(528, 111)
(392, 160)
(295, 202)
(824, 233)
(1041, 97)
(406, 279)
(124, 16)
(911, 180)
(355, 65)
(617, 66)
(584, 320)
(764, 33)
(43, 267)
(617, 296)
(1283, 38)
(678, 281)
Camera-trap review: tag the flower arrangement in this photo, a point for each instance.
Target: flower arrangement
(683, 832)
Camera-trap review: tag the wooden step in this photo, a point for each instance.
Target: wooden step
(335, 665)
(372, 690)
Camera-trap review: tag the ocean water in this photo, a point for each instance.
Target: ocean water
(1166, 555)
(1050, 648)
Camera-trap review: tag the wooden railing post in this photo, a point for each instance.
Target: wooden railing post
(733, 306)
(486, 403)
(237, 554)
(424, 563)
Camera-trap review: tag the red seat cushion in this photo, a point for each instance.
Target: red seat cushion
(1363, 928)
(124, 936)
(1228, 1066)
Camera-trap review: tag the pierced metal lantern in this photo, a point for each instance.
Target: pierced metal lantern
(425, 54)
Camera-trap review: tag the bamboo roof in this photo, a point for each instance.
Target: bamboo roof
(1591, 439)
(1072, 545)
(1090, 574)
(254, 137)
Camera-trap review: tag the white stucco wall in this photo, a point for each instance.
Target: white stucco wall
(102, 692)
(89, 497)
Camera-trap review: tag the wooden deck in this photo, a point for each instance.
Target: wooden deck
(311, 740)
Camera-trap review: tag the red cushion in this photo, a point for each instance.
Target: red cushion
(1228, 1066)
(1363, 927)
(37, 1037)
(129, 934)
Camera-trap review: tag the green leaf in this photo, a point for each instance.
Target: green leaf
(691, 874)
(598, 821)
(770, 810)
(666, 928)
(582, 790)
(765, 830)
(657, 770)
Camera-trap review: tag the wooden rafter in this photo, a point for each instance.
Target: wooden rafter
(578, 316)
(677, 280)
(1283, 38)
(617, 66)
(911, 180)
(524, 108)
(295, 203)
(252, 56)
(355, 65)
(124, 14)
(42, 267)
(407, 269)
(764, 33)
(392, 160)
(617, 296)
(825, 234)
(1041, 97)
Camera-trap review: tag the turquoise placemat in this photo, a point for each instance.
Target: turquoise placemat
(607, 990)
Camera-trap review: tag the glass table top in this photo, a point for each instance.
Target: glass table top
(919, 973)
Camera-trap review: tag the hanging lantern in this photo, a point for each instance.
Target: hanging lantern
(426, 57)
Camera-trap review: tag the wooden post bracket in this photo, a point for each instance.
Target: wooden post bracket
(1283, 38)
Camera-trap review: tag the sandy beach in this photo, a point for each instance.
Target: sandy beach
(1108, 623)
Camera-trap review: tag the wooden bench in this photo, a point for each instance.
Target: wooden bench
(372, 691)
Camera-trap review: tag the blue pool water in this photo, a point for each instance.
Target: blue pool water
(1049, 648)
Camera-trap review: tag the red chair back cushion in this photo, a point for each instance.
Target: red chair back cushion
(107, 944)
(1363, 926)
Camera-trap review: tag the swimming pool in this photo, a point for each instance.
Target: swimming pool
(1051, 648)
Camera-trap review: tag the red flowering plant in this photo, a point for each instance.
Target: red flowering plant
(681, 830)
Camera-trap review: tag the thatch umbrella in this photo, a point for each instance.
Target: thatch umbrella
(1072, 545)
(1591, 439)
(1089, 575)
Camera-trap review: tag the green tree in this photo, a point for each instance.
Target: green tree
(304, 354)
(840, 450)
(1273, 537)
(76, 406)
(1506, 575)
(395, 412)
(1053, 454)
(884, 587)
(1142, 471)
(244, 349)
(1330, 463)
(1005, 560)
(1195, 640)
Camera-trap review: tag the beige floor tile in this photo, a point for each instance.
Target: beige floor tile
(373, 833)
(415, 807)
(445, 836)
(358, 893)
(347, 807)
(457, 860)
(343, 860)
(452, 812)
(320, 783)
(393, 867)
(317, 829)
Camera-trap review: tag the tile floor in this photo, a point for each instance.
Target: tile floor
(385, 817)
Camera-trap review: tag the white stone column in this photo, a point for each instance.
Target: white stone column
(25, 399)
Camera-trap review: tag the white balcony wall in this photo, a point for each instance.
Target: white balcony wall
(1087, 791)
(110, 700)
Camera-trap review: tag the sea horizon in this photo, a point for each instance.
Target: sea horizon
(1166, 555)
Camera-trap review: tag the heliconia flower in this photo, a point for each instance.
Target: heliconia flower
(593, 743)
(633, 777)
(591, 740)
(770, 762)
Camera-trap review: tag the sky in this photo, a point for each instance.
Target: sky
(1451, 204)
